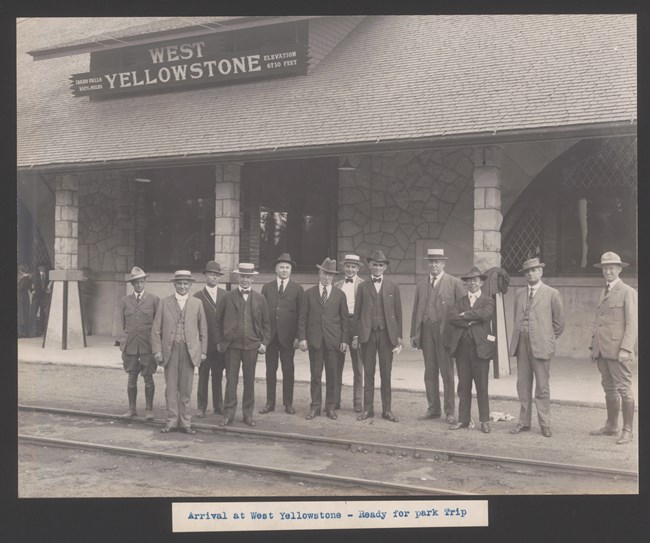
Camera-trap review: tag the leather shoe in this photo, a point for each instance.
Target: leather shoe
(167, 429)
(201, 413)
(626, 437)
(267, 409)
(218, 411)
(190, 431)
(429, 415)
(358, 409)
(546, 431)
(130, 414)
(485, 427)
(459, 425)
(389, 416)
(249, 421)
(605, 431)
(519, 428)
(450, 419)
(289, 409)
(366, 415)
(337, 406)
(313, 413)
(331, 414)
(226, 422)
(148, 414)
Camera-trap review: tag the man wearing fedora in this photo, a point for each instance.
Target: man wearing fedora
(378, 316)
(539, 321)
(284, 298)
(349, 285)
(434, 298)
(245, 332)
(137, 311)
(323, 329)
(211, 297)
(470, 339)
(613, 346)
(179, 340)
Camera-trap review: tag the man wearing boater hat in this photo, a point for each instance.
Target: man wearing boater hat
(434, 297)
(211, 297)
(179, 340)
(349, 285)
(284, 298)
(613, 346)
(378, 316)
(245, 332)
(137, 312)
(323, 329)
(539, 321)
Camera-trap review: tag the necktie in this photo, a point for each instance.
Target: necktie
(347, 280)
(530, 294)
(376, 279)
(607, 288)
(137, 298)
(281, 289)
(433, 280)
(323, 297)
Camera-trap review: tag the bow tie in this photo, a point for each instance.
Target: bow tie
(376, 279)
(244, 291)
(349, 280)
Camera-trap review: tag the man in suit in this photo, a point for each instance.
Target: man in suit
(323, 330)
(137, 311)
(245, 331)
(471, 341)
(211, 296)
(349, 285)
(179, 340)
(284, 298)
(539, 321)
(378, 316)
(42, 290)
(434, 297)
(613, 346)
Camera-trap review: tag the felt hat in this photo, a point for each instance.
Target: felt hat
(378, 256)
(213, 267)
(136, 273)
(284, 257)
(328, 265)
(474, 272)
(531, 263)
(610, 258)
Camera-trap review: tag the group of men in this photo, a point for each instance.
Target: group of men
(220, 330)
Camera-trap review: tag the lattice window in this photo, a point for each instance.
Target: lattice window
(526, 239)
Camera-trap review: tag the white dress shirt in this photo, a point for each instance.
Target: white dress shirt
(181, 300)
(348, 289)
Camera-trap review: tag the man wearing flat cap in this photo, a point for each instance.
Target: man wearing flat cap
(179, 340)
(137, 311)
(434, 298)
(245, 332)
(539, 321)
(284, 298)
(471, 340)
(378, 316)
(211, 297)
(613, 345)
(323, 329)
(349, 285)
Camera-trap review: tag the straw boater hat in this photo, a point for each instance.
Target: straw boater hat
(610, 258)
(245, 268)
(435, 254)
(328, 266)
(352, 259)
(213, 267)
(378, 256)
(136, 273)
(183, 274)
(531, 263)
(284, 257)
(474, 272)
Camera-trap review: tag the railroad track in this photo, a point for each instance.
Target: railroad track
(357, 446)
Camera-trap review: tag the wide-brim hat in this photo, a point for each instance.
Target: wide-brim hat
(378, 256)
(435, 254)
(284, 257)
(610, 258)
(136, 273)
(184, 275)
(328, 265)
(352, 259)
(531, 263)
(245, 268)
(474, 272)
(213, 267)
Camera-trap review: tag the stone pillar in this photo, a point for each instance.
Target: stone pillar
(64, 326)
(226, 214)
(487, 206)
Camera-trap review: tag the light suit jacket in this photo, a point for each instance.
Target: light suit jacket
(616, 322)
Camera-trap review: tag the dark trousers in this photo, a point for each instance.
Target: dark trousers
(529, 367)
(179, 375)
(247, 359)
(437, 360)
(317, 359)
(357, 380)
(616, 379)
(215, 364)
(275, 350)
(378, 344)
(471, 368)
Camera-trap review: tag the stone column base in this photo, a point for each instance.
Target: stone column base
(65, 323)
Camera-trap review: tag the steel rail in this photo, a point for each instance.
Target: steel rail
(367, 447)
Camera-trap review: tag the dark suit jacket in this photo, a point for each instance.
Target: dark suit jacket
(228, 318)
(451, 290)
(477, 319)
(210, 309)
(284, 310)
(616, 322)
(324, 325)
(137, 320)
(364, 305)
(40, 286)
